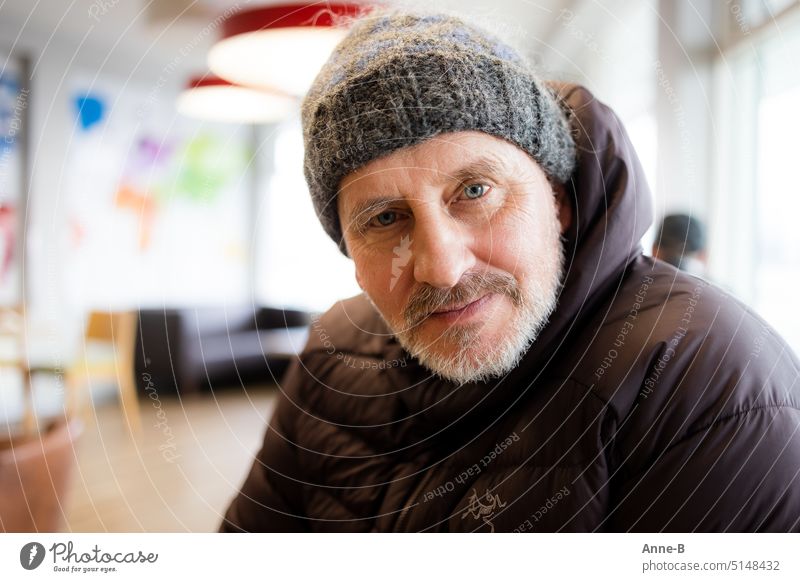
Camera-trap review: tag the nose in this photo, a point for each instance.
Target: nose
(441, 250)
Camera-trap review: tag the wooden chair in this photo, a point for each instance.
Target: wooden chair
(107, 354)
(13, 355)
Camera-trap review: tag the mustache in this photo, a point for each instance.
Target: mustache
(471, 287)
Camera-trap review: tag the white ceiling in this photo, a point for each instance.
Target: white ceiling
(157, 30)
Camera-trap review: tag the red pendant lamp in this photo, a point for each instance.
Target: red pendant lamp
(213, 99)
(280, 46)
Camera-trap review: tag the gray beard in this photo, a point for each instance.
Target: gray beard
(532, 310)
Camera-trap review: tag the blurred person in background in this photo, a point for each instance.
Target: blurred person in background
(681, 242)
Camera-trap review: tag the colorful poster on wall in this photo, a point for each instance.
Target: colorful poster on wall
(157, 204)
(13, 105)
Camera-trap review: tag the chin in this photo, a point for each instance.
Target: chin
(465, 354)
(471, 365)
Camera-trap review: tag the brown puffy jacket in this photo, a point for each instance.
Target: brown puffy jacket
(652, 401)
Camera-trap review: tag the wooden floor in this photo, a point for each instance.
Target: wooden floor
(179, 475)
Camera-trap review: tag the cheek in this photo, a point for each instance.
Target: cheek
(516, 239)
(506, 241)
(500, 247)
(386, 290)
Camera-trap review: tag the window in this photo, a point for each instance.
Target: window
(755, 235)
(297, 263)
(777, 265)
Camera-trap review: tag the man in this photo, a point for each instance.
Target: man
(681, 242)
(515, 363)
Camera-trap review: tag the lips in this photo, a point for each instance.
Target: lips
(451, 314)
(455, 308)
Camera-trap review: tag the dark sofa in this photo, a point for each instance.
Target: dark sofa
(187, 350)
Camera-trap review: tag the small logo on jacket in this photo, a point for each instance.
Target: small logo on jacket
(31, 555)
(483, 507)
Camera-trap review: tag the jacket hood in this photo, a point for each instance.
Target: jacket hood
(612, 210)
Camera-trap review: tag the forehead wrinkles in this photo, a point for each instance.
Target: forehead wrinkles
(441, 155)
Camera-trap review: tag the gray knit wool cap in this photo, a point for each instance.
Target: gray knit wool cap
(400, 78)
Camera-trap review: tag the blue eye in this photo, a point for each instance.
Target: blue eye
(386, 218)
(473, 191)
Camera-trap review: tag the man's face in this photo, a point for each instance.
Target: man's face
(456, 241)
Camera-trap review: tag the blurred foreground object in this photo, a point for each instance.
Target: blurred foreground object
(34, 474)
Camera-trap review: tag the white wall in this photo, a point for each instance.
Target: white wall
(122, 54)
